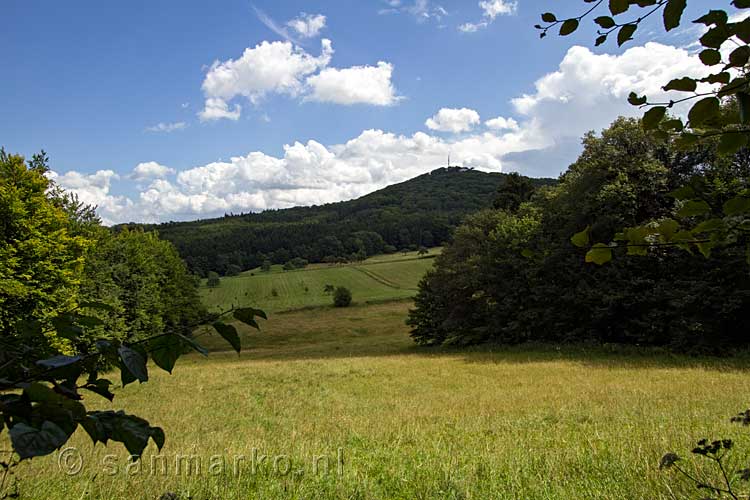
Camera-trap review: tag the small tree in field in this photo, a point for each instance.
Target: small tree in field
(342, 297)
(328, 289)
(266, 266)
(422, 251)
(213, 279)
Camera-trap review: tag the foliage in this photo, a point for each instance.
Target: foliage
(213, 279)
(717, 453)
(420, 212)
(726, 76)
(78, 300)
(517, 277)
(342, 297)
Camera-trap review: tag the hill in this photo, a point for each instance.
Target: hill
(419, 212)
(380, 279)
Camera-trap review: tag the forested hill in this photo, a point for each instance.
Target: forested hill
(419, 212)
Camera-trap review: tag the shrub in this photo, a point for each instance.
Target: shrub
(213, 279)
(342, 297)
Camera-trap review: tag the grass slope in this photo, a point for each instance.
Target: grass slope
(412, 423)
(379, 279)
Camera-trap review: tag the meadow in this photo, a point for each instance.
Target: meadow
(340, 404)
(378, 279)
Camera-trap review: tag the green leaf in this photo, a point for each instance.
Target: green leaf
(229, 333)
(685, 84)
(247, 315)
(737, 205)
(709, 226)
(134, 362)
(65, 327)
(100, 387)
(742, 30)
(705, 248)
(31, 442)
(60, 361)
(710, 57)
(703, 111)
(652, 117)
(549, 17)
(667, 228)
(618, 6)
(739, 57)
(97, 305)
(673, 13)
(715, 37)
(165, 350)
(599, 254)
(637, 100)
(626, 33)
(675, 124)
(527, 253)
(581, 239)
(686, 141)
(713, 17)
(192, 343)
(568, 27)
(730, 143)
(605, 22)
(692, 208)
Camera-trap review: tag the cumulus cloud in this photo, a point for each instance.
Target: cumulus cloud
(587, 91)
(286, 69)
(277, 67)
(355, 85)
(166, 127)
(422, 10)
(501, 123)
(453, 120)
(150, 170)
(490, 10)
(308, 25)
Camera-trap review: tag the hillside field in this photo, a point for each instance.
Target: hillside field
(378, 279)
(400, 422)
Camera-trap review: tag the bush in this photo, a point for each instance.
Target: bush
(213, 279)
(342, 297)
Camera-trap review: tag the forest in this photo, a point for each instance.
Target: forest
(514, 276)
(421, 212)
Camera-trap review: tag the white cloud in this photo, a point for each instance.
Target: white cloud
(490, 10)
(151, 170)
(453, 120)
(494, 8)
(586, 92)
(355, 85)
(277, 67)
(166, 127)
(589, 90)
(501, 123)
(422, 10)
(216, 109)
(308, 25)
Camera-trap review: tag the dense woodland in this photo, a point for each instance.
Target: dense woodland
(56, 257)
(513, 275)
(420, 212)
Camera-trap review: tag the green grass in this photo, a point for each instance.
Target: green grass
(412, 423)
(381, 278)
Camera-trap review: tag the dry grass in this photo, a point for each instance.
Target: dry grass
(413, 423)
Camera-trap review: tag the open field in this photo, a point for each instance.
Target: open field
(381, 278)
(411, 423)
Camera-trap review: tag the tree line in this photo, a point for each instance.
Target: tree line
(513, 275)
(418, 213)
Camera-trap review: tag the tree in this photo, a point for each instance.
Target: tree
(725, 78)
(54, 343)
(342, 297)
(515, 190)
(213, 279)
(328, 289)
(266, 266)
(422, 251)
(233, 270)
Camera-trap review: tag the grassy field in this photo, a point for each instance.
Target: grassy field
(381, 278)
(399, 422)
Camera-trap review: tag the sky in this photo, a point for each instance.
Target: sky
(178, 109)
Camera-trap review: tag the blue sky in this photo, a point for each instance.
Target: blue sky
(123, 95)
